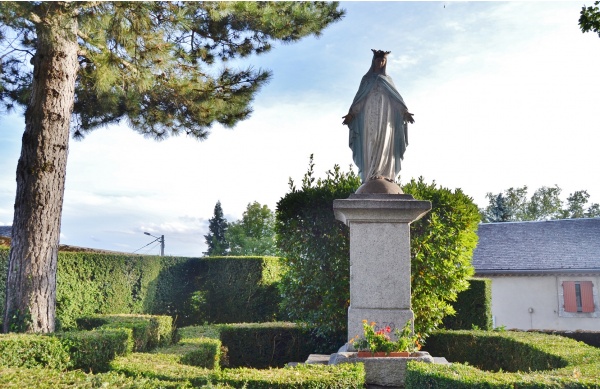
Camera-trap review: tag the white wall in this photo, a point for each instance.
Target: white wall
(513, 297)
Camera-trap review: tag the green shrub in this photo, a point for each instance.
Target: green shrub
(473, 307)
(316, 284)
(506, 360)
(266, 344)
(28, 350)
(162, 367)
(239, 289)
(101, 283)
(201, 352)
(192, 290)
(38, 378)
(441, 245)
(149, 331)
(93, 350)
(315, 287)
(212, 331)
(342, 376)
(489, 350)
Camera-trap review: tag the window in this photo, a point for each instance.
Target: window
(578, 296)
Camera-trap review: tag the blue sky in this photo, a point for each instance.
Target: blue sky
(504, 94)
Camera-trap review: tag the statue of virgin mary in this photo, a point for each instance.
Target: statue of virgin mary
(378, 120)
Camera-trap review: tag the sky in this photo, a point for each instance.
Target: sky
(504, 94)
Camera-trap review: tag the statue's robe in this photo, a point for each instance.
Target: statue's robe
(378, 132)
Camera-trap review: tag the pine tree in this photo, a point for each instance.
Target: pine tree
(217, 227)
(75, 66)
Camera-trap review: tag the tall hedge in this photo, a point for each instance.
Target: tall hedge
(473, 307)
(240, 289)
(191, 290)
(315, 285)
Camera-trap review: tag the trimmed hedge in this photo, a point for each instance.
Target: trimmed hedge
(29, 350)
(200, 352)
(38, 378)
(265, 345)
(94, 350)
(473, 307)
(342, 376)
(591, 338)
(162, 367)
(240, 289)
(506, 360)
(165, 366)
(192, 290)
(149, 331)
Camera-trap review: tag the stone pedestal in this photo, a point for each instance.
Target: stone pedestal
(379, 257)
(386, 372)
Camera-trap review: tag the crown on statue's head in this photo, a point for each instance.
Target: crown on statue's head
(380, 53)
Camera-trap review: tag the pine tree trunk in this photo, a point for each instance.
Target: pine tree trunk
(31, 282)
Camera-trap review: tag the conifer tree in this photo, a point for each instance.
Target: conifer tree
(217, 227)
(160, 66)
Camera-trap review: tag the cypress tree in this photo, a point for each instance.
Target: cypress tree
(217, 227)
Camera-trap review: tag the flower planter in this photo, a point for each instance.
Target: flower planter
(368, 354)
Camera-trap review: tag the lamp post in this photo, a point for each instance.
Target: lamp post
(161, 239)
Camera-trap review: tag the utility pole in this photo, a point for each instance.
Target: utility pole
(161, 239)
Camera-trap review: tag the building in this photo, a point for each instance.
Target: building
(545, 274)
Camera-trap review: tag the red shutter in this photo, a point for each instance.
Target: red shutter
(587, 296)
(569, 296)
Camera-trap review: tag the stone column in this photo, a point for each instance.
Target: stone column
(379, 257)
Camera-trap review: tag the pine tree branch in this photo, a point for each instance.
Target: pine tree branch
(84, 53)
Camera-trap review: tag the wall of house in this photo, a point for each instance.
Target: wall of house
(536, 302)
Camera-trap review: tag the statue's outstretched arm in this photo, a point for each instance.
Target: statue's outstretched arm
(348, 118)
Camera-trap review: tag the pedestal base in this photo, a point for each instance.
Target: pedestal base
(387, 372)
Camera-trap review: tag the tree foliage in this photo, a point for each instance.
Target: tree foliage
(155, 63)
(589, 19)
(315, 247)
(545, 204)
(217, 227)
(254, 234)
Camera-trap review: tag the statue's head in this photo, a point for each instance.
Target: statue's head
(379, 60)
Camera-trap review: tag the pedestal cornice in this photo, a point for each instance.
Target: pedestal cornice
(378, 208)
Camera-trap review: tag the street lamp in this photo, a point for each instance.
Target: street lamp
(161, 239)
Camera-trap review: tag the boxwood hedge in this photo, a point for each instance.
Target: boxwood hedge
(149, 331)
(28, 350)
(488, 359)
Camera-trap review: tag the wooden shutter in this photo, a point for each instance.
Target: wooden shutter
(587, 296)
(569, 296)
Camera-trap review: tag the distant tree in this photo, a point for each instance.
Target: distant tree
(254, 234)
(217, 227)
(589, 19)
(497, 211)
(544, 204)
(160, 66)
(576, 206)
